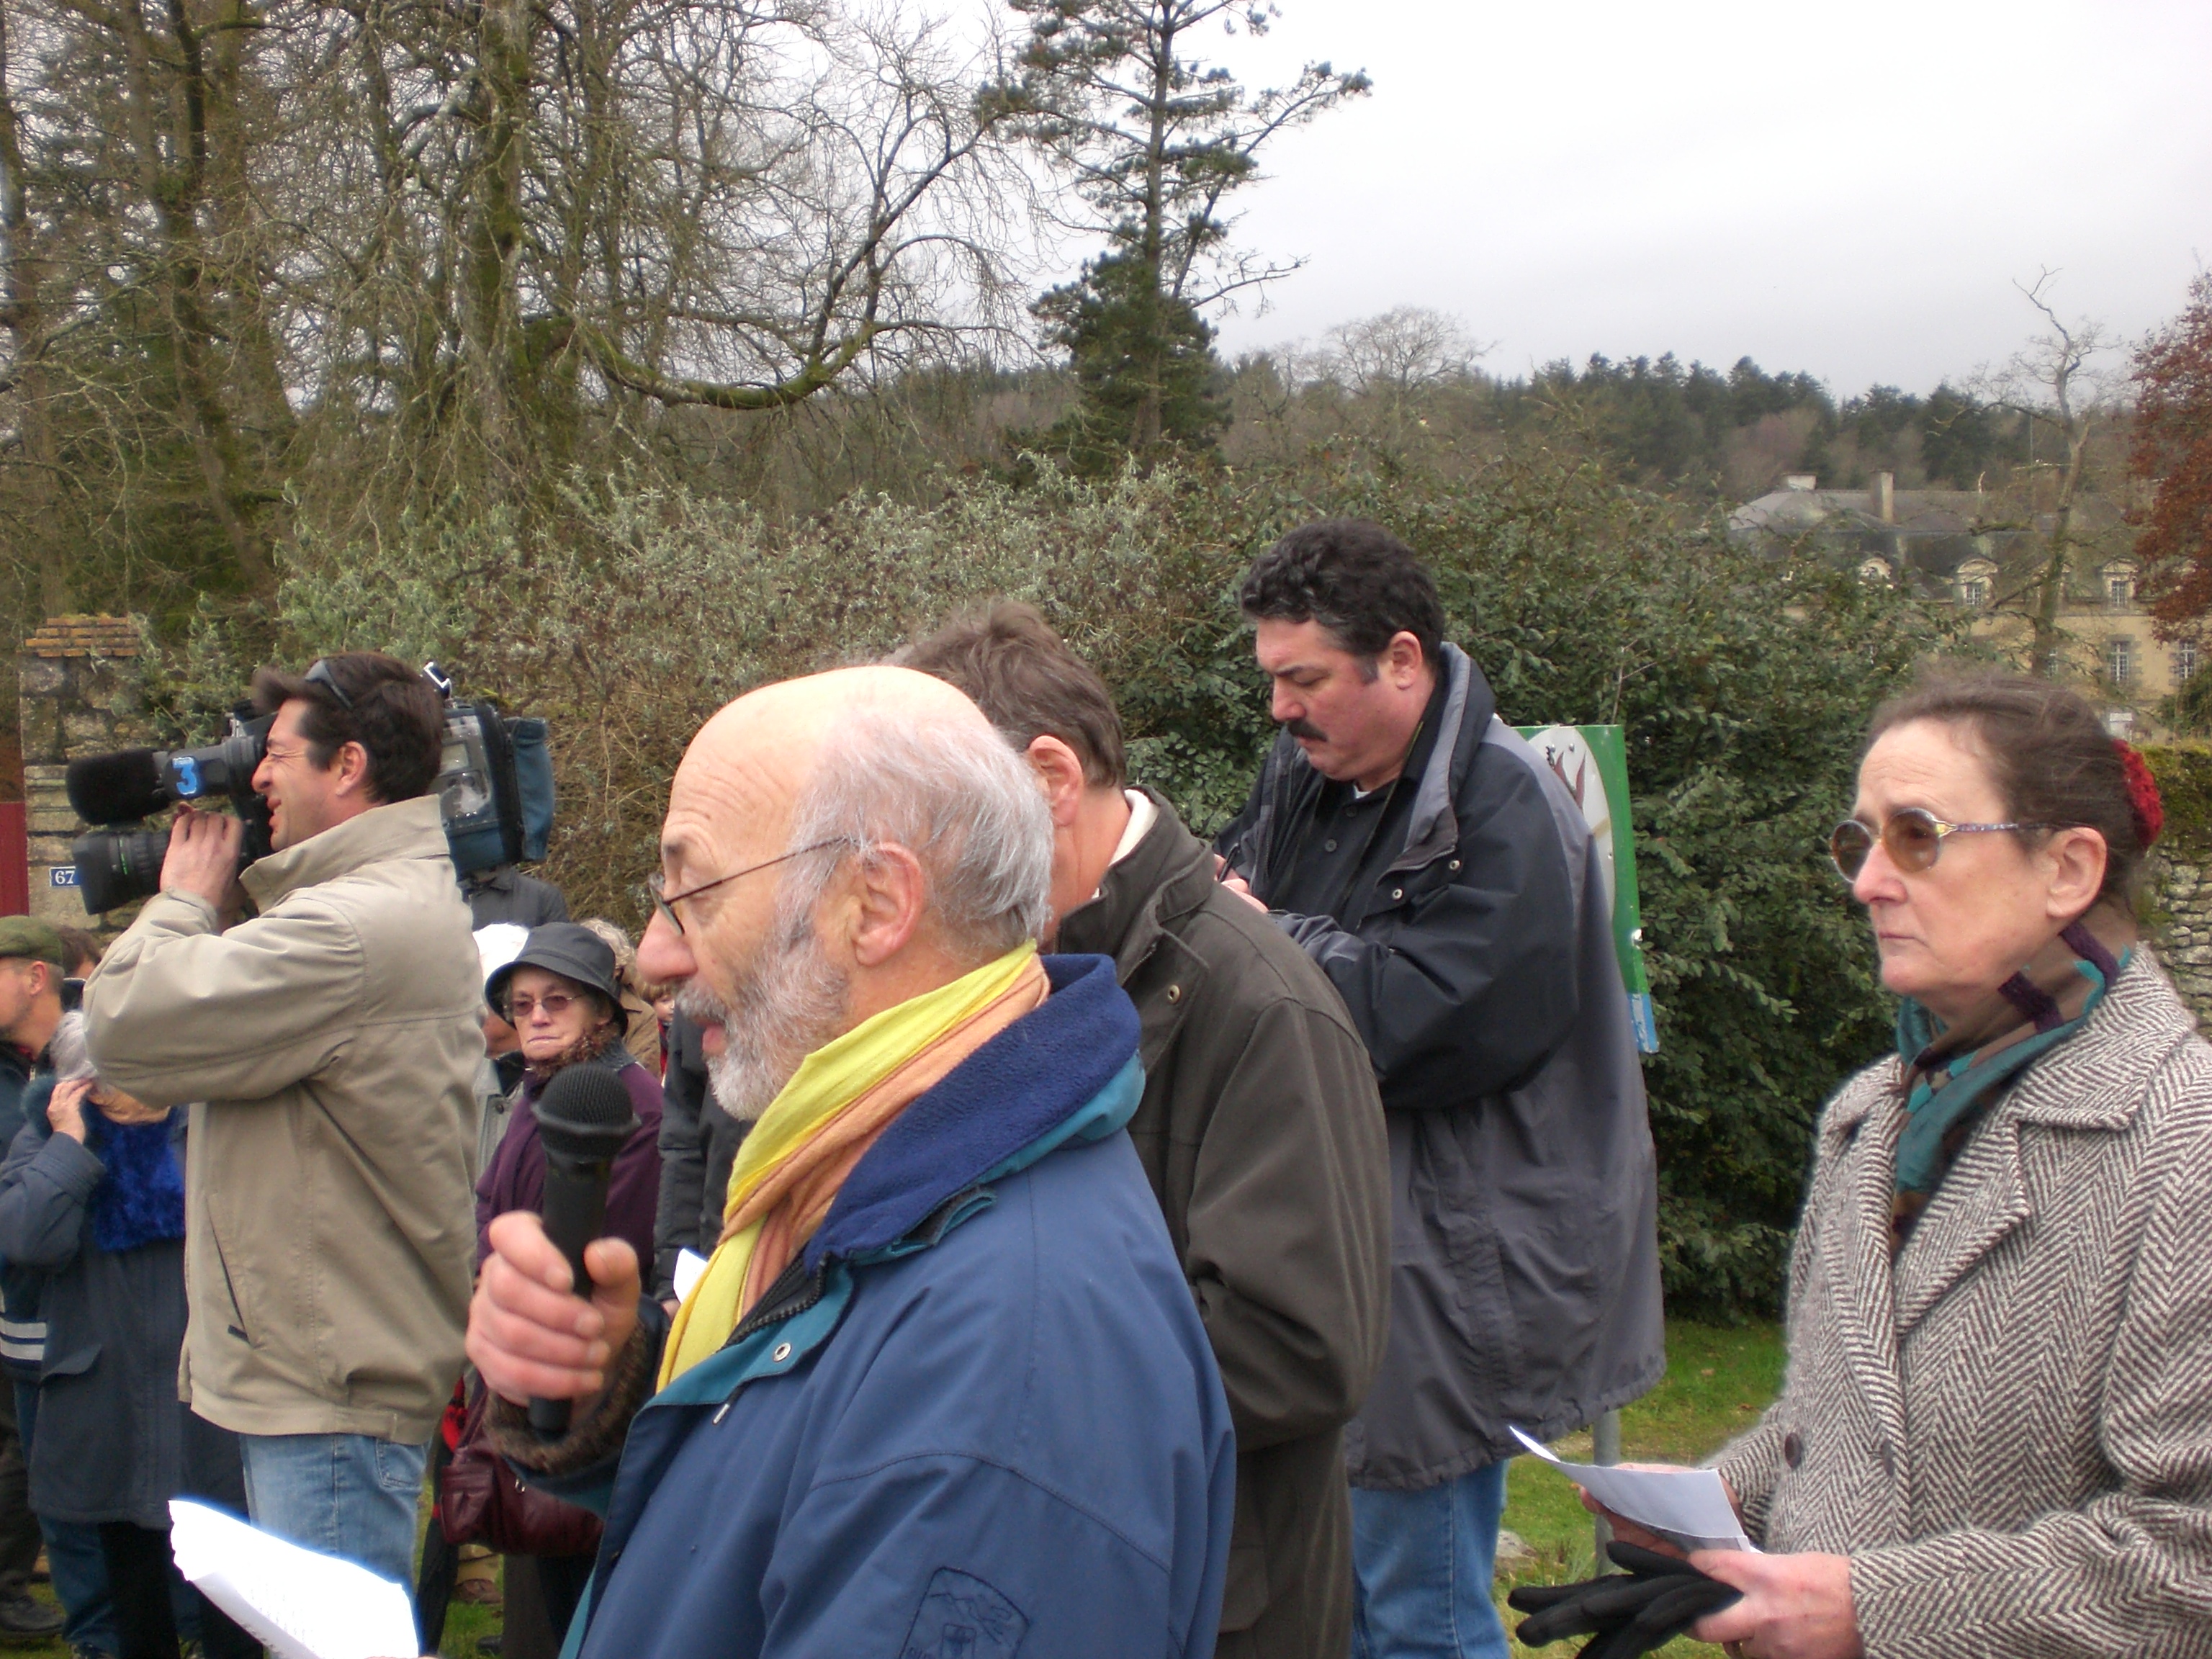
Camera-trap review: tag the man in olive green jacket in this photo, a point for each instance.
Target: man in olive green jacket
(1261, 1129)
(331, 1044)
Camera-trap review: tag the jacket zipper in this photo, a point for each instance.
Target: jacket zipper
(774, 1309)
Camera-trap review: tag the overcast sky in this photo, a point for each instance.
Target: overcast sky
(1849, 190)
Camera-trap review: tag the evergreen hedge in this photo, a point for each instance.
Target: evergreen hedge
(1743, 682)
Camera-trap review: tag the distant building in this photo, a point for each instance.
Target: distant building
(1986, 553)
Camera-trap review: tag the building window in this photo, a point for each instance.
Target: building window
(2184, 661)
(1975, 583)
(2120, 662)
(2119, 589)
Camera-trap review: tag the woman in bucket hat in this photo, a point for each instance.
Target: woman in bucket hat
(562, 994)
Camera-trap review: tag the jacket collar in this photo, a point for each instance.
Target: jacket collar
(2093, 1083)
(403, 830)
(1433, 829)
(1166, 875)
(2096, 1082)
(1057, 1074)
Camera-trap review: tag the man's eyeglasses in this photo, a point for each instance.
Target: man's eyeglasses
(555, 1003)
(665, 903)
(1912, 837)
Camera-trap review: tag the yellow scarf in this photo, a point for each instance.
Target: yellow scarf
(842, 1096)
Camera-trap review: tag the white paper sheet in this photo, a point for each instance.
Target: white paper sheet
(301, 1605)
(1689, 1508)
(690, 1264)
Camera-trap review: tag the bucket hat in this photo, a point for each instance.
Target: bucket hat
(566, 948)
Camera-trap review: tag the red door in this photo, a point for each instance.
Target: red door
(15, 862)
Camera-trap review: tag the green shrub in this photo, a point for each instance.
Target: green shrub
(1743, 683)
(2183, 772)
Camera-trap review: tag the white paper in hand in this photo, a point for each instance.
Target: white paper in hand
(1689, 1508)
(690, 1264)
(301, 1605)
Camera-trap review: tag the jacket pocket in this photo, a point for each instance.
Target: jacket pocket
(1485, 1307)
(1460, 1234)
(76, 1363)
(235, 1322)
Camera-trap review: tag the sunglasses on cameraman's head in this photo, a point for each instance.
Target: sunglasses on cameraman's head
(1912, 836)
(320, 675)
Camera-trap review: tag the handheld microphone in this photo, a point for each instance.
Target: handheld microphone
(584, 1120)
(118, 788)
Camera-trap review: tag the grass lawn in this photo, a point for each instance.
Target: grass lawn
(1717, 1382)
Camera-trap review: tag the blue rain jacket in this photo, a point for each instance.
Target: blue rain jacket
(979, 1416)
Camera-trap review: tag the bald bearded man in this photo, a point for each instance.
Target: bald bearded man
(942, 1390)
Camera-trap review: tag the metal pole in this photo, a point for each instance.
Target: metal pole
(1605, 1447)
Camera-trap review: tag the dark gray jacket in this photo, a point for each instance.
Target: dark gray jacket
(699, 1143)
(1262, 1138)
(115, 1443)
(503, 893)
(1479, 966)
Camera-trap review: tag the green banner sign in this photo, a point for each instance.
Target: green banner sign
(1592, 761)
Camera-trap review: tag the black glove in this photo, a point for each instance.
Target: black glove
(1656, 1600)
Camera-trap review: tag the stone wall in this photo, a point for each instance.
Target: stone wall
(78, 689)
(2181, 923)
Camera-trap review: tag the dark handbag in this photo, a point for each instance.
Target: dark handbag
(481, 1500)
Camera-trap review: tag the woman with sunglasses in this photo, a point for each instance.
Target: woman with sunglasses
(562, 994)
(1994, 1436)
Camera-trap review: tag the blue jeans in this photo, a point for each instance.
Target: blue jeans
(349, 1495)
(1422, 1563)
(73, 1556)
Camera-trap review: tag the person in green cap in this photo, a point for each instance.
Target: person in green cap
(34, 964)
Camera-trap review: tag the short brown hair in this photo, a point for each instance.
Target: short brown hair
(81, 947)
(396, 717)
(1029, 684)
(2049, 755)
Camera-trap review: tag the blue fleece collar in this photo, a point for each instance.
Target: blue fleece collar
(1037, 1084)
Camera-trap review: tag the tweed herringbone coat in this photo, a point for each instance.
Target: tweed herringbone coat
(2010, 1431)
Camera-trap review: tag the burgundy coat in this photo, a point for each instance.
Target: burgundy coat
(516, 1178)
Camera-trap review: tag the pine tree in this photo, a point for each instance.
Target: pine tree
(1144, 364)
(1153, 140)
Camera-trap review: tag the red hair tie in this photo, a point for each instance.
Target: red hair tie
(2143, 792)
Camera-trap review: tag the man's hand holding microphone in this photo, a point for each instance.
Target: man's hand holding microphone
(530, 1334)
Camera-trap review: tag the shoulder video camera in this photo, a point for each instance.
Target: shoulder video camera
(495, 788)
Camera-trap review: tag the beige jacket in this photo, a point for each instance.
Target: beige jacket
(333, 1041)
(2010, 1433)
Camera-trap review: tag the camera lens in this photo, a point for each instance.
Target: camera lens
(118, 866)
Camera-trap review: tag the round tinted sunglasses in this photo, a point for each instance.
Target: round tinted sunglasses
(1911, 836)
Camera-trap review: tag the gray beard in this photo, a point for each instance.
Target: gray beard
(788, 1001)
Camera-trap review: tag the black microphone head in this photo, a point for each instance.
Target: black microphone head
(117, 788)
(584, 1112)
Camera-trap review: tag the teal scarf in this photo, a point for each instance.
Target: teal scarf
(1953, 1073)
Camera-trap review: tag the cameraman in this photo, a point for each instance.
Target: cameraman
(332, 1043)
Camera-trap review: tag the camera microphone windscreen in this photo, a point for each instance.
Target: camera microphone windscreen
(118, 788)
